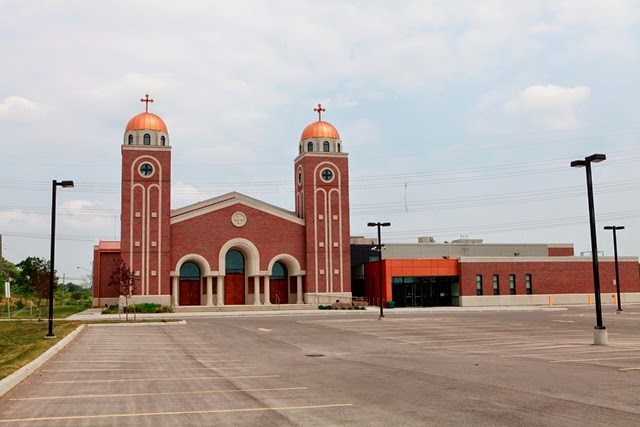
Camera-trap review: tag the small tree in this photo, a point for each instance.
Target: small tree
(34, 279)
(124, 281)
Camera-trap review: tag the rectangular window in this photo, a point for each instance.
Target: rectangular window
(478, 284)
(496, 284)
(512, 284)
(527, 279)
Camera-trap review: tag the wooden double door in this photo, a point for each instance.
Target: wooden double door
(189, 292)
(234, 289)
(279, 291)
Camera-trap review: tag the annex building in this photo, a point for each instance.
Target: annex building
(472, 273)
(231, 249)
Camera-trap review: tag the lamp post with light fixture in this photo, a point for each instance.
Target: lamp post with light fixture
(599, 331)
(54, 187)
(379, 225)
(615, 257)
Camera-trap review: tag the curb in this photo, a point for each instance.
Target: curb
(21, 374)
(111, 325)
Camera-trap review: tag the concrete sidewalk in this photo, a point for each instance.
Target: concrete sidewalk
(96, 313)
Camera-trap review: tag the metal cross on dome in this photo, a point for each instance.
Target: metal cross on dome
(147, 100)
(318, 110)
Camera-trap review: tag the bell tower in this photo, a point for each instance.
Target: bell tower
(322, 200)
(146, 204)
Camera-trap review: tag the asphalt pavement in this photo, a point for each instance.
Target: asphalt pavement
(412, 368)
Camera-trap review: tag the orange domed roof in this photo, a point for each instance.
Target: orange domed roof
(146, 121)
(320, 129)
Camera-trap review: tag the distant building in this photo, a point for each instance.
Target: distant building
(471, 273)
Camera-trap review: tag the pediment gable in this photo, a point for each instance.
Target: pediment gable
(230, 199)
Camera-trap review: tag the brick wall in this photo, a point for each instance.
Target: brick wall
(549, 277)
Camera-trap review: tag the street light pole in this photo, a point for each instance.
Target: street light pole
(54, 187)
(615, 255)
(380, 224)
(599, 331)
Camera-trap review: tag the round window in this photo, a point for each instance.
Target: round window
(327, 175)
(146, 169)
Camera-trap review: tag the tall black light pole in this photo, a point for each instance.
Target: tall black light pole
(380, 224)
(615, 255)
(54, 187)
(600, 331)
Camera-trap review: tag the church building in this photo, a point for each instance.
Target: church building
(231, 249)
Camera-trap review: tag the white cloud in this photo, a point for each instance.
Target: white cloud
(550, 106)
(183, 194)
(18, 109)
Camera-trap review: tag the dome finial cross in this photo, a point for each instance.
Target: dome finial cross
(318, 110)
(147, 100)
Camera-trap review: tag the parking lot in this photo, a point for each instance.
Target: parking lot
(329, 369)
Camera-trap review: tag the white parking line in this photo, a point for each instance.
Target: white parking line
(163, 393)
(162, 379)
(149, 414)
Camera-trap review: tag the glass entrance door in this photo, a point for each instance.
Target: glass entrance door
(425, 291)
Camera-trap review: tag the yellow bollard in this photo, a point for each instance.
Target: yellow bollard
(589, 299)
(614, 299)
(550, 303)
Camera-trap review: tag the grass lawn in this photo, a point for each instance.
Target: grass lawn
(23, 341)
(58, 312)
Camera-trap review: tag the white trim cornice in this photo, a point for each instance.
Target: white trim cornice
(231, 199)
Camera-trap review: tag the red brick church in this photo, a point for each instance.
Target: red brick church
(231, 249)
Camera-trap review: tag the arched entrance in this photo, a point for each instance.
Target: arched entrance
(234, 278)
(279, 284)
(189, 284)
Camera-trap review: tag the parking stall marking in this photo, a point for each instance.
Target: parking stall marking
(160, 379)
(595, 359)
(149, 414)
(149, 369)
(96, 396)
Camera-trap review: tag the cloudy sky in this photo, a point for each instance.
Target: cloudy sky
(460, 117)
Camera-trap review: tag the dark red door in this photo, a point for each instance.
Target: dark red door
(278, 291)
(234, 289)
(189, 292)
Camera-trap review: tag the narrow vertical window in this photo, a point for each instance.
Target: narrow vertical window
(478, 284)
(130, 139)
(310, 146)
(496, 284)
(162, 141)
(300, 148)
(338, 147)
(512, 284)
(527, 279)
(325, 146)
(147, 139)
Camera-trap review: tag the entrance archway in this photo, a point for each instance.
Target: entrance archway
(279, 284)
(234, 278)
(189, 284)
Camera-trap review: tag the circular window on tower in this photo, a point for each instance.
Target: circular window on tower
(326, 175)
(146, 170)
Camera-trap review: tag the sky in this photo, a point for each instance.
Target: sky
(460, 118)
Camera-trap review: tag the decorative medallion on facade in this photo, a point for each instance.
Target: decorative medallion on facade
(239, 219)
